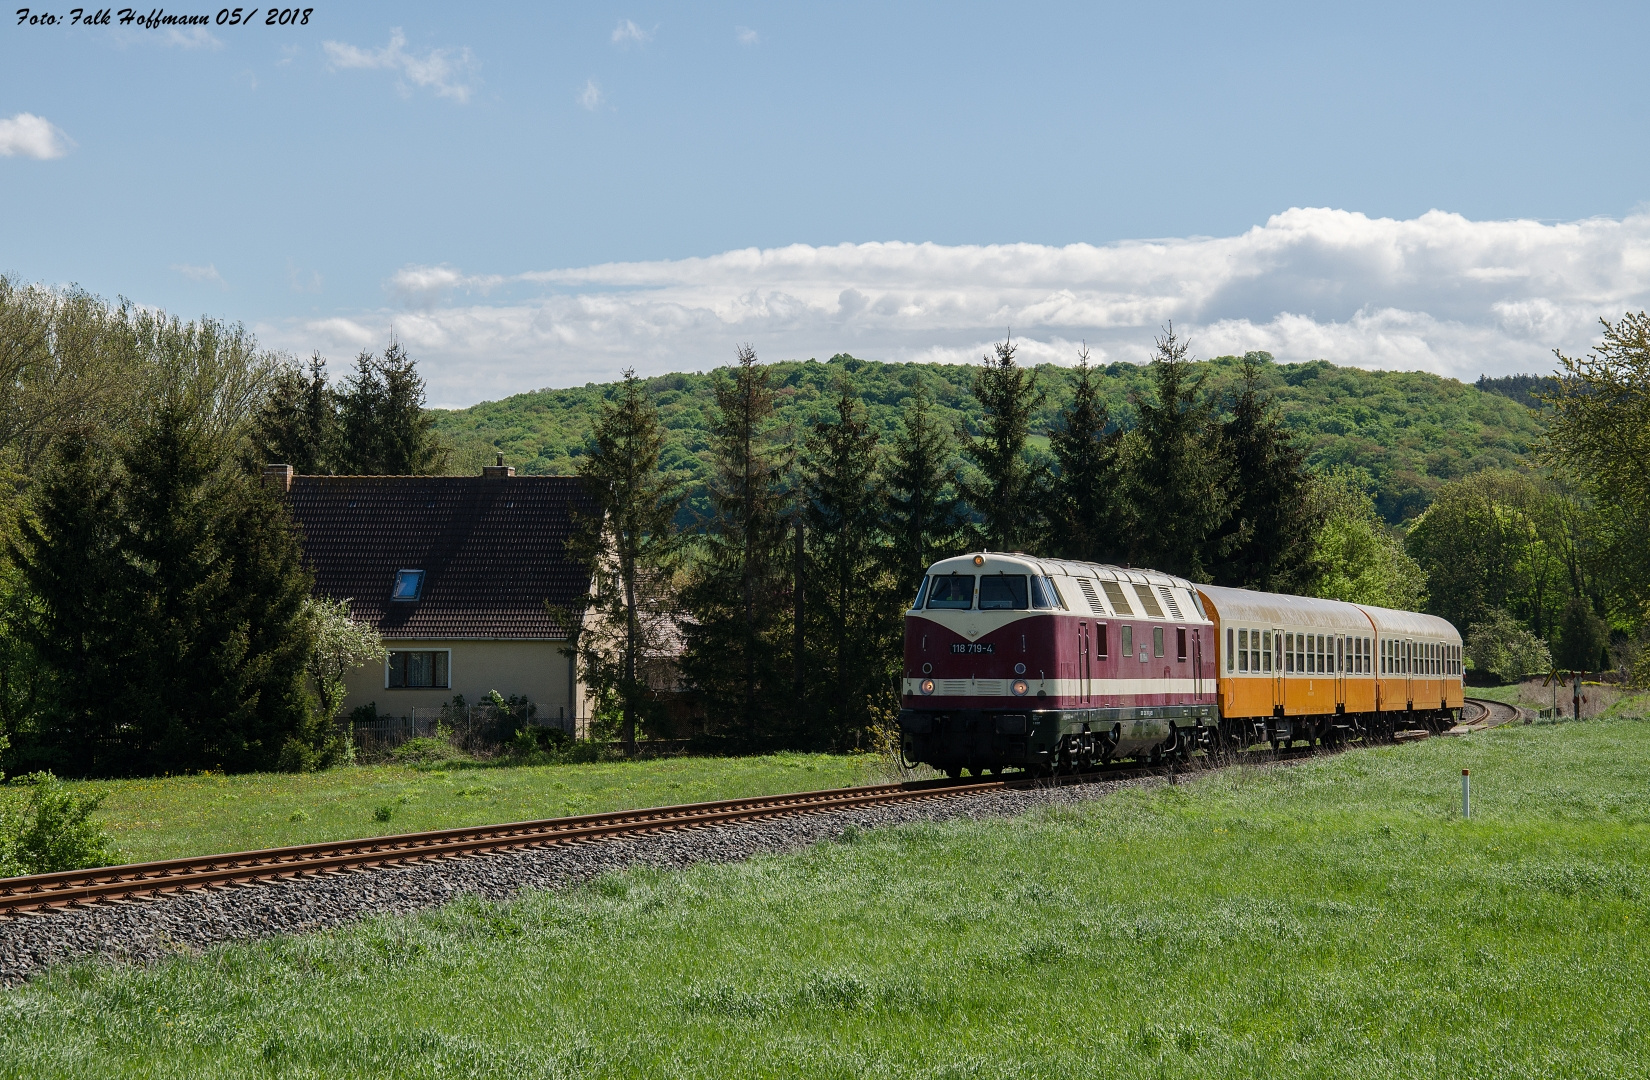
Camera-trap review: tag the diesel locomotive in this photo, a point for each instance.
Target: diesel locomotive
(1017, 662)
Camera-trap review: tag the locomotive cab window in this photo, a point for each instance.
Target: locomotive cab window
(1039, 594)
(922, 591)
(954, 591)
(1005, 592)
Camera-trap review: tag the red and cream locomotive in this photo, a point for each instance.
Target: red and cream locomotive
(1012, 661)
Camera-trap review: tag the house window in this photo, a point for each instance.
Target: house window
(424, 669)
(409, 585)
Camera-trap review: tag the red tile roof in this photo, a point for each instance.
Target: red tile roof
(491, 550)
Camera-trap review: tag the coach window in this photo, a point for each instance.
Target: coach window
(955, 591)
(1288, 653)
(1243, 650)
(1180, 643)
(1266, 650)
(1005, 592)
(1229, 658)
(1157, 641)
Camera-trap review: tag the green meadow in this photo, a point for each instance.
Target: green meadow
(176, 816)
(1335, 918)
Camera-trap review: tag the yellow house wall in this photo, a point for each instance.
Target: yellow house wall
(536, 670)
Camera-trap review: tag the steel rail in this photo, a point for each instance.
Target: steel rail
(43, 893)
(133, 881)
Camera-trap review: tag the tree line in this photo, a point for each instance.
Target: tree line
(784, 602)
(155, 608)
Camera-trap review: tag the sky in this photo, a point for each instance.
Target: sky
(542, 195)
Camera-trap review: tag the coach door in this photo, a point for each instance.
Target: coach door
(1277, 671)
(1341, 642)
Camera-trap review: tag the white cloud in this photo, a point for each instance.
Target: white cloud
(440, 70)
(28, 135)
(197, 37)
(628, 33)
(422, 286)
(1438, 292)
(591, 96)
(746, 36)
(207, 273)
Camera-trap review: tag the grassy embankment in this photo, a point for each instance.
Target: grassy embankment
(1601, 700)
(178, 816)
(1332, 919)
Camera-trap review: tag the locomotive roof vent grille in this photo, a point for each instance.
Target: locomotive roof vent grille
(1168, 598)
(1114, 593)
(1088, 591)
(1148, 601)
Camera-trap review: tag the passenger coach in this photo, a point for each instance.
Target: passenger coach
(1015, 661)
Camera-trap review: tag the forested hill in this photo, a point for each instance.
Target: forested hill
(1411, 431)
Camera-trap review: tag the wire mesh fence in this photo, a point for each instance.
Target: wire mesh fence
(471, 728)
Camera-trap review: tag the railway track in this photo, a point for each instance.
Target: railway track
(137, 882)
(1478, 714)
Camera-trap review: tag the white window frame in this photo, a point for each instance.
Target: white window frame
(388, 649)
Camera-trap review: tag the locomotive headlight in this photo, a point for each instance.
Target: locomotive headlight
(926, 686)
(1020, 687)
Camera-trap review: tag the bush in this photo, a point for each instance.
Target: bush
(46, 827)
(1501, 645)
(423, 751)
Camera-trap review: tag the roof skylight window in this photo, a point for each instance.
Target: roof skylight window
(409, 585)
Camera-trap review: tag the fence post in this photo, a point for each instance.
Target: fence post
(1466, 794)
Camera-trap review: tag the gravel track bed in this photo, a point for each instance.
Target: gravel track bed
(186, 923)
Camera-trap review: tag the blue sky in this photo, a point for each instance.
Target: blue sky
(537, 195)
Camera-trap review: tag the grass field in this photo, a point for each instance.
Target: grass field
(203, 815)
(1332, 919)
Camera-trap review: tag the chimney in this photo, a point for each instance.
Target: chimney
(499, 471)
(278, 477)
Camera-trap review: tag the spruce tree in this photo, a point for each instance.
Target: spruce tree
(298, 422)
(1089, 519)
(923, 516)
(736, 598)
(852, 598)
(68, 553)
(170, 589)
(1178, 478)
(631, 543)
(1267, 540)
(384, 429)
(1007, 494)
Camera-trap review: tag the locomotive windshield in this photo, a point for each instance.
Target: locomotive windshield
(1005, 592)
(951, 591)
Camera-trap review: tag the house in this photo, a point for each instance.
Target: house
(466, 578)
